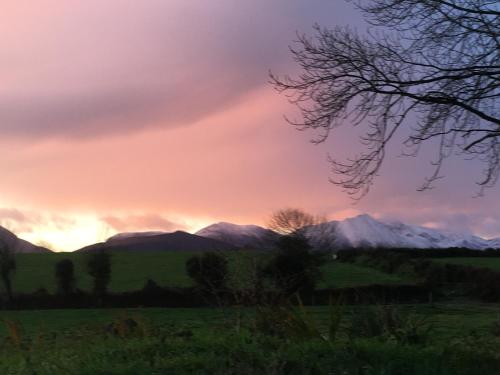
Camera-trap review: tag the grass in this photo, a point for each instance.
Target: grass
(49, 321)
(200, 341)
(449, 319)
(463, 337)
(131, 270)
(343, 275)
(493, 263)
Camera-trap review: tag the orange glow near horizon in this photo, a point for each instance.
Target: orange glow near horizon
(86, 230)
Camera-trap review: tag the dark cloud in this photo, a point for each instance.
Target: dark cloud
(88, 69)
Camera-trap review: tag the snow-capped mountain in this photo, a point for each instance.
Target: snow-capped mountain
(365, 231)
(356, 232)
(239, 235)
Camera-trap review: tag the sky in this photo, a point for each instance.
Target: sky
(124, 115)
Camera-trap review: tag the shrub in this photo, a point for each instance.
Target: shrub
(295, 267)
(389, 323)
(209, 271)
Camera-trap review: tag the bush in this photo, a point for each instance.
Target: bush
(209, 271)
(295, 267)
(389, 324)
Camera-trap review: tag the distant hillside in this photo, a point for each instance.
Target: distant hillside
(249, 236)
(154, 241)
(18, 245)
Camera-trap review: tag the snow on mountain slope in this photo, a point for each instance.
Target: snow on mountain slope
(122, 236)
(365, 231)
(356, 232)
(238, 235)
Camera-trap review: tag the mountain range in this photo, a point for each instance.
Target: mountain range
(360, 231)
(356, 232)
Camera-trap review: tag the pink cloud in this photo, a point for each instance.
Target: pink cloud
(136, 223)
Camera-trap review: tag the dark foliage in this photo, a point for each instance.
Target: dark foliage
(474, 281)
(7, 267)
(65, 277)
(99, 267)
(295, 267)
(209, 271)
(347, 255)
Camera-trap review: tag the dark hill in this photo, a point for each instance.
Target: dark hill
(177, 241)
(18, 245)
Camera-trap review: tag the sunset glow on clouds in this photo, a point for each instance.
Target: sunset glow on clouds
(157, 115)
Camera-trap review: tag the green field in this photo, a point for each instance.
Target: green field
(447, 319)
(461, 340)
(449, 338)
(131, 270)
(493, 263)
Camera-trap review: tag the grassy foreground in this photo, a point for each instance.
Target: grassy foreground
(130, 271)
(447, 319)
(207, 341)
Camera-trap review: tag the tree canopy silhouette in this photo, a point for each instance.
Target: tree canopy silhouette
(433, 68)
(99, 268)
(65, 277)
(7, 267)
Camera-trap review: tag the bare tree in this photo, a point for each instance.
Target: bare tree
(433, 68)
(296, 222)
(295, 265)
(291, 221)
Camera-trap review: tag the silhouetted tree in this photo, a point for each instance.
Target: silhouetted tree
(99, 267)
(7, 267)
(296, 222)
(295, 267)
(65, 277)
(436, 73)
(209, 271)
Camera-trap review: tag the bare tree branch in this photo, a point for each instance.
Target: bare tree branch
(437, 73)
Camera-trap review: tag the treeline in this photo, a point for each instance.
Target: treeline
(452, 252)
(152, 295)
(470, 281)
(293, 269)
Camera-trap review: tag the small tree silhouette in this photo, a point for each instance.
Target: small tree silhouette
(65, 277)
(99, 267)
(209, 271)
(7, 267)
(295, 267)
